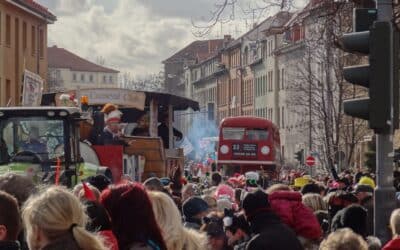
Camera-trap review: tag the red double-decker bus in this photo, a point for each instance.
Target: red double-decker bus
(248, 143)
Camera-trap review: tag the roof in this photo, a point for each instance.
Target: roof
(37, 8)
(62, 58)
(37, 111)
(257, 33)
(241, 121)
(197, 50)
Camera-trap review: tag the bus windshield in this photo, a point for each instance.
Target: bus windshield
(230, 133)
(30, 139)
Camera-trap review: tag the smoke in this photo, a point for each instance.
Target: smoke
(200, 128)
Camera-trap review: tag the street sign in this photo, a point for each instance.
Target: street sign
(310, 161)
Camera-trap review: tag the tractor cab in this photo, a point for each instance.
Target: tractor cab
(34, 141)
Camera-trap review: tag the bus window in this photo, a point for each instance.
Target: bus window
(233, 133)
(257, 134)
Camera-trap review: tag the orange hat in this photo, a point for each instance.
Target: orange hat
(108, 108)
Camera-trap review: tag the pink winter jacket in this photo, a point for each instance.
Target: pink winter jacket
(289, 207)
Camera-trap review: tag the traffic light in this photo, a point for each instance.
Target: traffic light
(299, 156)
(377, 76)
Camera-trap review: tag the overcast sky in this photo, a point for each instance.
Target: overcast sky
(135, 35)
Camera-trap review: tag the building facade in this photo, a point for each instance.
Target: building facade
(68, 71)
(23, 43)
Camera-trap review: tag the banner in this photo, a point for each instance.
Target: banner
(32, 89)
(185, 145)
(122, 97)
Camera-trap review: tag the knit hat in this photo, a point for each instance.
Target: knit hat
(225, 190)
(224, 203)
(113, 116)
(194, 206)
(353, 217)
(255, 203)
(153, 183)
(367, 181)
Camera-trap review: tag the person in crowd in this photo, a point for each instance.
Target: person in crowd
(344, 239)
(214, 227)
(188, 191)
(374, 243)
(270, 232)
(112, 131)
(163, 130)
(99, 181)
(353, 217)
(211, 202)
(194, 210)
(100, 223)
(133, 220)
(394, 243)
(311, 188)
(237, 229)
(21, 187)
(339, 200)
(142, 128)
(169, 218)
(153, 184)
(55, 219)
(94, 191)
(364, 194)
(289, 207)
(216, 179)
(10, 225)
(314, 201)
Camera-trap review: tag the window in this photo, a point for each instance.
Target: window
(33, 40)
(257, 134)
(8, 90)
(283, 78)
(110, 80)
(41, 43)
(104, 79)
(8, 30)
(74, 77)
(283, 117)
(24, 36)
(82, 77)
(91, 78)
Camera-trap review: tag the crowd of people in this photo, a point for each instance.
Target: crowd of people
(174, 213)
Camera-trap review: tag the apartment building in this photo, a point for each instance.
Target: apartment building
(23, 43)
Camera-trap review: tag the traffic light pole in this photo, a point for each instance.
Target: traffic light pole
(384, 200)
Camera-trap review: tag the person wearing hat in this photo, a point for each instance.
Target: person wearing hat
(365, 180)
(270, 232)
(194, 210)
(214, 228)
(112, 131)
(237, 229)
(364, 194)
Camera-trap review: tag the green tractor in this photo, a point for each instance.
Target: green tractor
(43, 143)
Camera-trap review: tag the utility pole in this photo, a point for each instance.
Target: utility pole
(381, 108)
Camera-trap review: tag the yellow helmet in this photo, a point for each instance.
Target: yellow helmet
(365, 180)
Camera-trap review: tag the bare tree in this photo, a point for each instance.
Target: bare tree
(151, 82)
(317, 88)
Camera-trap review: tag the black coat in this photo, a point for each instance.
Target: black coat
(163, 132)
(9, 245)
(272, 234)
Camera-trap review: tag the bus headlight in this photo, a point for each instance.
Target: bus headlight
(224, 149)
(265, 150)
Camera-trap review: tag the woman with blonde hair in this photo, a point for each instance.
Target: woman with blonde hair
(55, 219)
(169, 219)
(314, 201)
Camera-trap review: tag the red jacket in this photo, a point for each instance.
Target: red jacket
(109, 239)
(394, 244)
(289, 207)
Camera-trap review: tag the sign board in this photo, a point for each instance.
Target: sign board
(310, 161)
(121, 97)
(32, 89)
(246, 150)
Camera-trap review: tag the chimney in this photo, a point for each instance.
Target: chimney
(227, 39)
